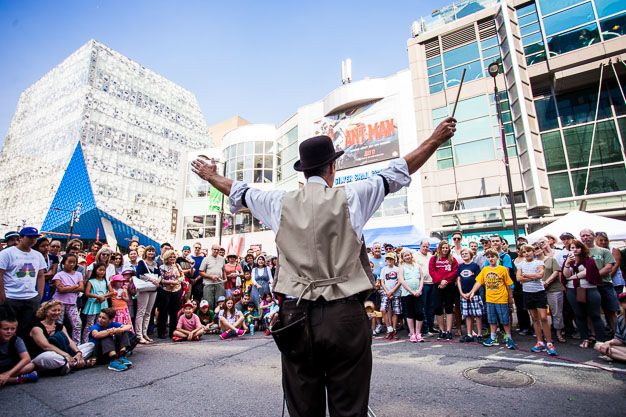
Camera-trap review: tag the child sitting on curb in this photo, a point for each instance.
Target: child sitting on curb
(189, 326)
(15, 364)
(112, 340)
(207, 318)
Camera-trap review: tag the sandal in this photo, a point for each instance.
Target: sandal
(142, 341)
(584, 344)
(90, 363)
(561, 339)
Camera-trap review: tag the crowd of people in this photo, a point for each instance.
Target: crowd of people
(553, 289)
(61, 311)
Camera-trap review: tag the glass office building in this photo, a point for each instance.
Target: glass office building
(103, 131)
(561, 83)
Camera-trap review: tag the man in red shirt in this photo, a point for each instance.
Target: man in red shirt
(91, 256)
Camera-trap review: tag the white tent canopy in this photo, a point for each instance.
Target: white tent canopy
(575, 221)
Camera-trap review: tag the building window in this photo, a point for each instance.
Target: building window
(251, 162)
(478, 134)
(574, 24)
(528, 21)
(567, 126)
(444, 70)
(287, 155)
(198, 227)
(393, 205)
(488, 201)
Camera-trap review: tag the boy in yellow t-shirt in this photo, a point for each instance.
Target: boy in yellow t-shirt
(498, 292)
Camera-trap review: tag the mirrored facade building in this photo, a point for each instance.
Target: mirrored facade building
(561, 83)
(103, 131)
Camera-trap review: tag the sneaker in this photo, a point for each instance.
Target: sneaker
(419, 338)
(224, 336)
(477, 339)
(388, 336)
(551, 350)
(117, 366)
(26, 378)
(412, 339)
(380, 329)
(428, 334)
(539, 347)
(177, 338)
(441, 336)
(510, 344)
(490, 342)
(126, 362)
(241, 332)
(394, 335)
(449, 336)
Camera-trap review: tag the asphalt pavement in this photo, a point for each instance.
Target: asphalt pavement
(241, 377)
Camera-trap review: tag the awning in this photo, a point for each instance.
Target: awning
(405, 236)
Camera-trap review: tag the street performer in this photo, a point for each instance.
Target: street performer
(324, 275)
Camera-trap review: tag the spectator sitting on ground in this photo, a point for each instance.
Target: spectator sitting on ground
(251, 318)
(51, 346)
(616, 347)
(230, 320)
(15, 364)
(207, 317)
(189, 326)
(221, 300)
(111, 340)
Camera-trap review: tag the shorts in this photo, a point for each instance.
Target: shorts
(498, 313)
(445, 298)
(472, 307)
(609, 297)
(413, 308)
(396, 304)
(535, 300)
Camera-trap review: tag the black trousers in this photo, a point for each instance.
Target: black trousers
(523, 319)
(168, 304)
(24, 311)
(111, 344)
(326, 348)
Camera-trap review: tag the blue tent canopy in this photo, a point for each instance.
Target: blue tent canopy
(405, 236)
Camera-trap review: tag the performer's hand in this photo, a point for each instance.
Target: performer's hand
(204, 169)
(445, 130)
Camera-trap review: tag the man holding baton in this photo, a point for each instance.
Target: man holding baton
(324, 274)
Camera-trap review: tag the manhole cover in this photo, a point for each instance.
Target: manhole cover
(498, 377)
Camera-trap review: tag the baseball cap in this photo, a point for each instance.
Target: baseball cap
(204, 303)
(128, 270)
(188, 304)
(10, 235)
(29, 231)
(221, 298)
(567, 235)
(390, 255)
(186, 248)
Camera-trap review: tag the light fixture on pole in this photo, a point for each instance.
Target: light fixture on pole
(494, 70)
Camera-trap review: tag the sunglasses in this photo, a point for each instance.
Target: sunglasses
(456, 238)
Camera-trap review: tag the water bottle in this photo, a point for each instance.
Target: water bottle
(252, 329)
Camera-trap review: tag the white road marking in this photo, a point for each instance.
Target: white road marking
(553, 363)
(388, 343)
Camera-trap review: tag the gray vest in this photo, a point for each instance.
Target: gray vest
(320, 253)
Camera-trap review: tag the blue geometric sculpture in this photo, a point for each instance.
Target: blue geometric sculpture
(75, 187)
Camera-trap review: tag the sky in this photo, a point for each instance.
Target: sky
(257, 59)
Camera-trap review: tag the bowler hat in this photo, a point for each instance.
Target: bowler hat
(316, 152)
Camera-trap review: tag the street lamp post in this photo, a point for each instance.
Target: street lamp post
(74, 218)
(493, 70)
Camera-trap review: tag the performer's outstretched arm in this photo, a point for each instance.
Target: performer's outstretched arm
(208, 172)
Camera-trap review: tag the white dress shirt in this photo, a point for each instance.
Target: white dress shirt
(364, 197)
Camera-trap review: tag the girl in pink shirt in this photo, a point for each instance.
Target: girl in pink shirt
(68, 283)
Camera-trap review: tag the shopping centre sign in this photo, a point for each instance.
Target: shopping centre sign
(475, 237)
